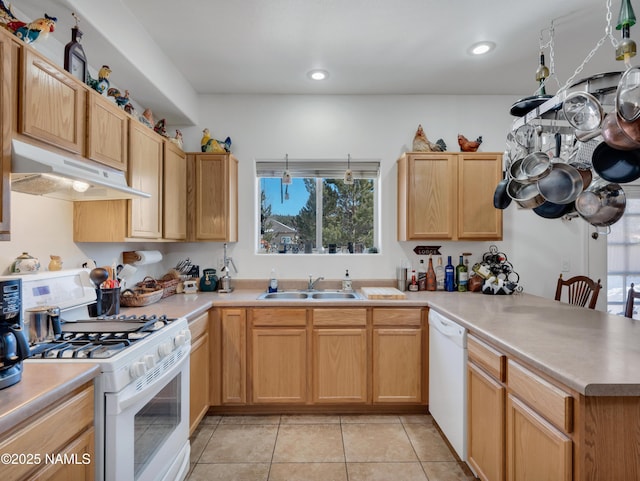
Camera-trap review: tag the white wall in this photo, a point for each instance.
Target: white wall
(328, 126)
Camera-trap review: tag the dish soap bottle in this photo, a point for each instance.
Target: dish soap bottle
(346, 282)
(273, 282)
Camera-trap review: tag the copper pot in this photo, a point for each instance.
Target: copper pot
(618, 137)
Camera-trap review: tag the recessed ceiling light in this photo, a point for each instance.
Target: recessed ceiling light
(318, 74)
(481, 48)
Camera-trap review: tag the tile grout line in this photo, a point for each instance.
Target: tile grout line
(344, 450)
(404, 428)
(273, 452)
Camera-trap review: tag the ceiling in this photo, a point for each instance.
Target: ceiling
(367, 46)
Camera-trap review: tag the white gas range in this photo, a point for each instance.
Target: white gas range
(142, 393)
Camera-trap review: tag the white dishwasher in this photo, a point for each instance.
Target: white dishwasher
(448, 379)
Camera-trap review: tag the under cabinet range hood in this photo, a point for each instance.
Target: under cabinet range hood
(38, 171)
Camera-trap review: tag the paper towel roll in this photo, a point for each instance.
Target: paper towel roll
(147, 257)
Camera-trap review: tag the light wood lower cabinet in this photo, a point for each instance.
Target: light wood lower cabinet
(486, 424)
(397, 365)
(234, 356)
(65, 428)
(199, 371)
(536, 450)
(339, 365)
(279, 366)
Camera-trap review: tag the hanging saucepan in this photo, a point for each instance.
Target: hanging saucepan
(615, 136)
(526, 195)
(584, 170)
(535, 166)
(527, 104)
(583, 111)
(628, 95)
(515, 170)
(601, 205)
(615, 165)
(562, 185)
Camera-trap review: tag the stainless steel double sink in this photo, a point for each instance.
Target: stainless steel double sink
(310, 295)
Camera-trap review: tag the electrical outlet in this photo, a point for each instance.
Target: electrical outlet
(566, 265)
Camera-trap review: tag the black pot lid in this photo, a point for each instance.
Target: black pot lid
(550, 210)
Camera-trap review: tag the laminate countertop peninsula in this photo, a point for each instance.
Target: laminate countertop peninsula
(589, 351)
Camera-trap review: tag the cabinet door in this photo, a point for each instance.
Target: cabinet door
(198, 381)
(535, 449)
(478, 175)
(6, 87)
(175, 193)
(107, 137)
(234, 356)
(486, 448)
(83, 469)
(145, 174)
(429, 187)
(279, 366)
(53, 104)
(339, 365)
(216, 197)
(397, 365)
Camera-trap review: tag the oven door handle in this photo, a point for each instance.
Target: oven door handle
(120, 402)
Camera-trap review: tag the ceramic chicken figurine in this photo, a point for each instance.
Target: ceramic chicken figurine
(468, 145)
(422, 144)
(102, 83)
(159, 128)
(121, 100)
(28, 32)
(177, 139)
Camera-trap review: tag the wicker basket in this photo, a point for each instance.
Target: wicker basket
(139, 297)
(169, 286)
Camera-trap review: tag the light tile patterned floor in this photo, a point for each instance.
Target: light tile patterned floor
(322, 448)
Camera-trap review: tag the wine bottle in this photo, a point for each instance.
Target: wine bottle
(422, 276)
(462, 275)
(440, 275)
(431, 277)
(449, 276)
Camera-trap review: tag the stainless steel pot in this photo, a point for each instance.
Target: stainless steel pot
(43, 323)
(562, 185)
(535, 166)
(602, 205)
(526, 195)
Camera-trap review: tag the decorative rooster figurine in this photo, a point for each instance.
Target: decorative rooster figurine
(102, 83)
(422, 144)
(159, 128)
(467, 145)
(121, 100)
(28, 32)
(177, 139)
(209, 144)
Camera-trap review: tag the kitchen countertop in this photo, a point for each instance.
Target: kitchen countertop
(589, 351)
(42, 385)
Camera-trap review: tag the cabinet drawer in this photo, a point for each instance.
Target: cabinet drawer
(279, 317)
(551, 402)
(50, 432)
(487, 357)
(199, 326)
(397, 317)
(339, 317)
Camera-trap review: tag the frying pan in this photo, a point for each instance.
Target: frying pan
(562, 185)
(550, 210)
(526, 195)
(501, 199)
(613, 165)
(527, 104)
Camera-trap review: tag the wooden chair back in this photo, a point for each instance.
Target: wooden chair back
(580, 290)
(631, 296)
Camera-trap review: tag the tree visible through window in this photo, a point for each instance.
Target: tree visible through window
(317, 214)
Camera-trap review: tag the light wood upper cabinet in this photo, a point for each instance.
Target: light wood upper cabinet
(8, 56)
(213, 197)
(446, 195)
(108, 131)
(52, 104)
(145, 174)
(174, 193)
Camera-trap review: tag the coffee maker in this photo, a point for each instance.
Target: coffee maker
(13, 342)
